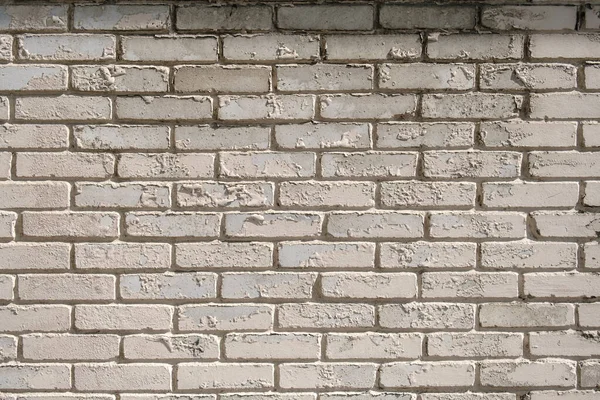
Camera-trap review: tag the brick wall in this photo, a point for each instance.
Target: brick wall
(274, 202)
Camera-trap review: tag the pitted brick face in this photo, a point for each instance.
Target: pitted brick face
(300, 200)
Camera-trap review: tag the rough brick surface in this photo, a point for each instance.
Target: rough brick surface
(299, 200)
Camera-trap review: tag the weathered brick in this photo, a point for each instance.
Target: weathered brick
(373, 164)
(270, 47)
(171, 347)
(392, 135)
(67, 287)
(336, 194)
(267, 165)
(224, 255)
(121, 137)
(336, 17)
(63, 107)
(328, 77)
(482, 225)
(388, 346)
(121, 255)
(564, 395)
(528, 76)
(427, 194)
(224, 376)
(28, 136)
(120, 78)
(71, 224)
(367, 106)
(67, 346)
(33, 77)
(267, 285)
(172, 224)
(368, 285)
(121, 17)
(180, 48)
(592, 194)
(427, 255)
(327, 376)
(529, 17)
(526, 134)
(166, 108)
(592, 255)
(373, 47)
(8, 222)
(561, 284)
(400, 16)
(439, 285)
(66, 47)
(123, 317)
(475, 47)
(7, 287)
(169, 286)
(564, 344)
(527, 254)
(526, 315)
(35, 318)
(205, 137)
(476, 344)
(592, 76)
(8, 348)
(421, 374)
(325, 315)
(371, 224)
(471, 105)
(225, 317)
(166, 165)
(34, 195)
(564, 46)
(38, 17)
(471, 164)
(567, 105)
(270, 107)
(122, 195)
(122, 377)
(566, 224)
(224, 17)
(427, 76)
(272, 346)
(529, 374)
(34, 256)
(273, 224)
(222, 79)
(35, 376)
(4, 108)
(225, 194)
(427, 316)
(326, 255)
(589, 317)
(508, 195)
(65, 165)
(590, 373)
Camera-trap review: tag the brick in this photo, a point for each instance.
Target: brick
(428, 255)
(592, 194)
(567, 105)
(169, 286)
(530, 374)
(267, 285)
(224, 376)
(468, 396)
(34, 195)
(367, 106)
(121, 255)
(529, 17)
(373, 164)
(8, 348)
(564, 164)
(29, 136)
(269, 107)
(166, 166)
(508, 195)
(528, 134)
(171, 347)
(427, 194)
(272, 346)
(123, 317)
(335, 17)
(225, 194)
(33, 77)
(588, 315)
(65, 165)
(180, 48)
(324, 77)
(325, 316)
(373, 47)
(62, 396)
(480, 225)
(387, 346)
(224, 255)
(592, 76)
(66, 47)
(34, 256)
(427, 374)
(427, 76)
(269, 396)
(564, 344)
(475, 345)
(172, 224)
(565, 395)
(427, 316)
(224, 17)
(225, 317)
(471, 105)
(222, 79)
(325, 255)
(63, 107)
(368, 285)
(47, 18)
(120, 78)
(35, 376)
(561, 284)
(566, 224)
(318, 135)
(336, 194)
(327, 376)
(166, 108)
(273, 224)
(396, 16)
(121, 137)
(122, 377)
(526, 315)
(527, 254)
(370, 395)
(590, 372)
(563, 46)
(371, 224)
(439, 285)
(591, 255)
(66, 287)
(475, 47)
(7, 285)
(122, 195)
(270, 47)
(8, 222)
(121, 17)
(35, 318)
(71, 224)
(267, 165)
(64, 347)
(528, 76)
(205, 137)
(471, 164)
(4, 108)
(392, 135)
(592, 17)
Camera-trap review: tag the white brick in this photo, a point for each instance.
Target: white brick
(529, 374)
(35, 376)
(479, 344)
(120, 78)
(224, 17)
(165, 108)
(224, 255)
(370, 395)
(267, 285)
(370, 224)
(427, 374)
(470, 285)
(592, 194)
(373, 47)
(327, 376)
(224, 376)
(592, 76)
(267, 165)
(336, 194)
(285, 107)
(564, 46)
(222, 79)
(328, 77)
(566, 224)
(566, 105)
(122, 195)
(336, 17)
(472, 164)
(428, 255)
(367, 106)
(517, 133)
(564, 164)
(564, 344)
(225, 194)
(34, 17)
(562, 284)
(590, 373)
(63, 107)
(122, 377)
(35, 318)
(589, 317)
(178, 48)
(121, 17)
(64, 347)
(66, 47)
(8, 348)
(323, 135)
(171, 347)
(326, 316)
(397, 16)
(528, 76)
(471, 105)
(8, 222)
(272, 346)
(166, 165)
(169, 286)
(121, 137)
(7, 285)
(4, 108)
(123, 317)
(66, 287)
(205, 137)
(26, 136)
(392, 135)
(225, 317)
(528, 254)
(427, 194)
(526, 315)
(368, 285)
(6, 48)
(270, 47)
(520, 194)
(121, 255)
(475, 47)
(325, 255)
(427, 316)
(65, 165)
(374, 164)
(387, 346)
(591, 255)
(33, 77)
(273, 224)
(268, 396)
(427, 76)
(34, 195)
(529, 17)
(71, 224)
(172, 224)
(564, 395)
(478, 225)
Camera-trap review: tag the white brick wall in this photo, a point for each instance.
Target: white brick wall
(299, 200)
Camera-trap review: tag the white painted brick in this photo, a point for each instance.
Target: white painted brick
(123, 317)
(224, 376)
(121, 137)
(168, 286)
(8, 348)
(336, 194)
(34, 195)
(590, 373)
(373, 164)
(169, 48)
(122, 377)
(336, 17)
(171, 347)
(122, 195)
(66, 47)
(292, 78)
(428, 255)
(66, 346)
(121, 17)
(222, 79)
(591, 255)
(165, 165)
(270, 47)
(588, 315)
(519, 133)
(467, 396)
(166, 108)
(400, 16)
(224, 255)
(6, 48)
(471, 105)
(267, 285)
(564, 395)
(371, 345)
(592, 76)
(225, 317)
(204, 137)
(528, 76)
(526, 315)
(35, 376)
(592, 194)
(325, 315)
(7, 285)
(33, 77)
(273, 224)
(478, 225)
(373, 47)
(172, 224)
(4, 108)
(564, 344)
(285, 107)
(564, 164)
(427, 316)
(528, 254)
(120, 78)
(35, 318)
(529, 17)
(224, 17)
(427, 374)
(225, 194)
(471, 164)
(29, 136)
(370, 395)
(566, 224)
(71, 224)
(468, 285)
(475, 47)
(427, 76)
(37, 17)
(267, 165)
(325, 255)
(65, 165)
(367, 106)
(475, 345)
(67, 287)
(63, 107)
(424, 135)
(518, 194)
(8, 222)
(368, 285)
(427, 194)
(566, 105)
(272, 346)
(269, 396)
(327, 376)
(121, 255)
(529, 374)
(563, 46)
(370, 224)
(562, 284)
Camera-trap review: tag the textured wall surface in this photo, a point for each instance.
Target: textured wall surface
(274, 202)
